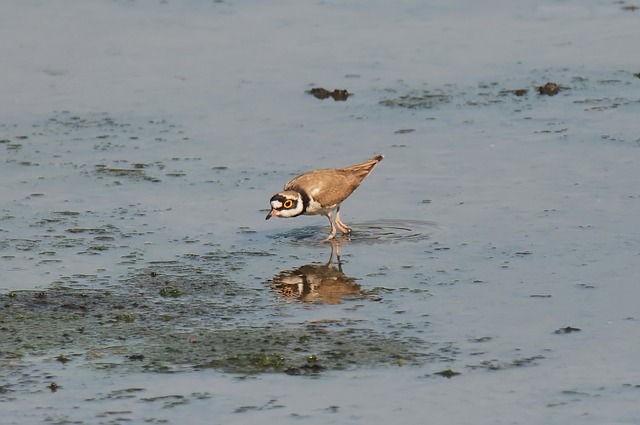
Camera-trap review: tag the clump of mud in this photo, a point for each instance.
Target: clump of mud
(338, 95)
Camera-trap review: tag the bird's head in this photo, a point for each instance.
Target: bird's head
(286, 204)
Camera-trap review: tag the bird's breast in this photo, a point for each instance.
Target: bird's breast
(315, 208)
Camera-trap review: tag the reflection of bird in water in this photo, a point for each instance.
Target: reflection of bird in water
(325, 284)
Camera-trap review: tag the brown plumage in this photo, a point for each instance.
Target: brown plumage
(321, 192)
(333, 185)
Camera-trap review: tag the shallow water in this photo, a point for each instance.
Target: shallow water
(491, 275)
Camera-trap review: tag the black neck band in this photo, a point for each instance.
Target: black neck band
(305, 199)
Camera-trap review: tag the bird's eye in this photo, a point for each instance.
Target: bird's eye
(288, 203)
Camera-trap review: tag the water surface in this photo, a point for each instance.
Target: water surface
(491, 274)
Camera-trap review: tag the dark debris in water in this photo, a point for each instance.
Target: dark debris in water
(495, 364)
(133, 173)
(566, 330)
(499, 93)
(447, 373)
(550, 89)
(424, 99)
(336, 94)
(515, 92)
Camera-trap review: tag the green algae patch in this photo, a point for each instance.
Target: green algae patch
(204, 321)
(418, 99)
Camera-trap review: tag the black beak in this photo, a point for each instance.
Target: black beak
(268, 215)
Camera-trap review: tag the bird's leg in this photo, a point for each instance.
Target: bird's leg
(337, 249)
(333, 228)
(343, 227)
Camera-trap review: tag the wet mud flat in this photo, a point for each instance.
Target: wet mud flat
(183, 318)
(189, 316)
(197, 314)
(201, 311)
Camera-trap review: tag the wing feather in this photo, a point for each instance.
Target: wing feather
(332, 186)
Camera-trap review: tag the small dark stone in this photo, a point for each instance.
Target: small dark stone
(567, 330)
(136, 357)
(319, 93)
(550, 89)
(447, 373)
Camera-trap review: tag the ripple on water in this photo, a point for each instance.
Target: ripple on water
(368, 232)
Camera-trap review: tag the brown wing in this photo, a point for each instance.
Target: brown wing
(332, 186)
(364, 167)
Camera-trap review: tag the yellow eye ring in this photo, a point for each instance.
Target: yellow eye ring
(288, 203)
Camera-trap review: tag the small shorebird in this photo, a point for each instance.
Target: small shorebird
(321, 192)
